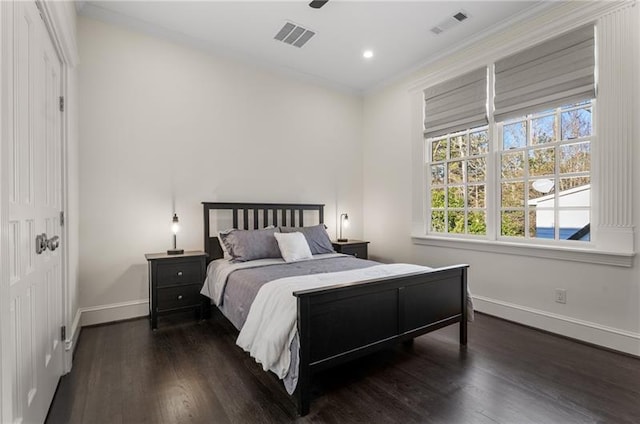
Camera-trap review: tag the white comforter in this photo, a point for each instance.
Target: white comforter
(271, 323)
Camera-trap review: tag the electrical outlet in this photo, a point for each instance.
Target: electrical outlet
(561, 295)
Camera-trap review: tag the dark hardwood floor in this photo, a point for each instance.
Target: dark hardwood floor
(190, 372)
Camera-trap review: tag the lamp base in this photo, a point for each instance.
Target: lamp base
(175, 251)
(342, 240)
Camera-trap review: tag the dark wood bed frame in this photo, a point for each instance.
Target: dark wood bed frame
(379, 313)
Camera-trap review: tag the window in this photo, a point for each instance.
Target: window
(545, 162)
(458, 170)
(522, 172)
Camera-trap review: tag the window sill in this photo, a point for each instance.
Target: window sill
(623, 259)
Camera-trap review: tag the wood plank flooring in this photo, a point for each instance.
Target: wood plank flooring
(192, 372)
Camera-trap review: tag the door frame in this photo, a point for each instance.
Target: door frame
(62, 30)
(59, 18)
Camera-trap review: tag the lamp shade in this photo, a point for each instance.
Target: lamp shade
(175, 224)
(344, 223)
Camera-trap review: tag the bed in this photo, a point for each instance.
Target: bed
(383, 304)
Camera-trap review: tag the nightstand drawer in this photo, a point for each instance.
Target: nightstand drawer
(185, 272)
(171, 298)
(359, 251)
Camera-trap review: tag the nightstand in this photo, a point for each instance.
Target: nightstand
(175, 282)
(357, 248)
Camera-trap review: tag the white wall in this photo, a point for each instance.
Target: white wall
(162, 123)
(603, 302)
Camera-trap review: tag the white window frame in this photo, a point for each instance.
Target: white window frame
(464, 159)
(557, 144)
(493, 189)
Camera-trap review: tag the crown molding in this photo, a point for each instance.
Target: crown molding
(62, 26)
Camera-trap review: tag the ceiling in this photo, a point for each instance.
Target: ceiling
(397, 32)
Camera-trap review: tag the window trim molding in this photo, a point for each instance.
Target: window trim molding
(558, 252)
(613, 234)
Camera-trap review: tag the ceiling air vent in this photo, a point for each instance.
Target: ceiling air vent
(294, 34)
(449, 22)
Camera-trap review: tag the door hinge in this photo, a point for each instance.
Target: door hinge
(63, 333)
(61, 104)
(61, 217)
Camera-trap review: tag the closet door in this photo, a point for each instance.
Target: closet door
(34, 172)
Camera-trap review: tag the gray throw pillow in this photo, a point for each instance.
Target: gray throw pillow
(317, 238)
(249, 245)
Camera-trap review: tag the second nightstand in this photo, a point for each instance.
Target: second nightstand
(175, 282)
(357, 248)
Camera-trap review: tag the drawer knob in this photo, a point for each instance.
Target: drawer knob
(179, 297)
(179, 273)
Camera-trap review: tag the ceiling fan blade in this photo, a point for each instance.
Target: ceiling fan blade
(317, 4)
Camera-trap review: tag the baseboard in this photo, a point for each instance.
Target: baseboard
(590, 332)
(114, 312)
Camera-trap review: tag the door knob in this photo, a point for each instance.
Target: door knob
(53, 243)
(43, 243)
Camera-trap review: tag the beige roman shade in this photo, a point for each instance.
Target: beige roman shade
(457, 104)
(552, 74)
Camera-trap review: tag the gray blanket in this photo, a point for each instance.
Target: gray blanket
(243, 284)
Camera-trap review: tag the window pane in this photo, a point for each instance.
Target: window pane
(479, 143)
(437, 198)
(575, 158)
(512, 194)
(477, 223)
(455, 172)
(458, 146)
(543, 130)
(541, 194)
(576, 123)
(437, 221)
(512, 223)
(456, 197)
(476, 196)
(512, 165)
(437, 174)
(456, 222)
(576, 196)
(573, 183)
(542, 161)
(541, 224)
(514, 136)
(477, 169)
(573, 224)
(439, 150)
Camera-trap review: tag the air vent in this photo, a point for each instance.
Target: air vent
(294, 34)
(449, 22)
(460, 16)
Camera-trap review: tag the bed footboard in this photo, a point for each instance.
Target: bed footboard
(340, 323)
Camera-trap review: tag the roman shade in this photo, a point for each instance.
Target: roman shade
(552, 74)
(457, 104)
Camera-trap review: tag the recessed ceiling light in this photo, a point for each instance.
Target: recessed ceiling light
(367, 54)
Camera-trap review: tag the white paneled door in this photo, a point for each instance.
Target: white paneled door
(34, 227)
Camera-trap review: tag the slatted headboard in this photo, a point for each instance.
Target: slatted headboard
(250, 214)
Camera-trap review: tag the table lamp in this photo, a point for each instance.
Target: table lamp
(175, 227)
